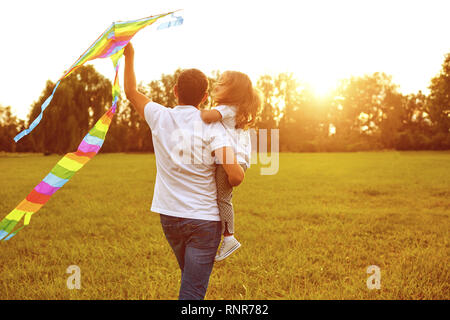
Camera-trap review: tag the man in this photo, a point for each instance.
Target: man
(185, 192)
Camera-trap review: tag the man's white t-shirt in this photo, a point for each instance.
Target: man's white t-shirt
(240, 138)
(185, 179)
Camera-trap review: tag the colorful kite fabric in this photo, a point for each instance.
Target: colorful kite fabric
(110, 44)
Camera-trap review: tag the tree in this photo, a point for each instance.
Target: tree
(393, 113)
(286, 96)
(363, 104)
(133, 132)
(161, 91)
(78, 103)
(269, 113)
(438, 106)
(363, 113)
(9, 128)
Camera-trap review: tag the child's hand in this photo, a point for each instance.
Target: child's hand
(209, 116)
(129, 50)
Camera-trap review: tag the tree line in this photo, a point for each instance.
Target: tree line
(362, 113)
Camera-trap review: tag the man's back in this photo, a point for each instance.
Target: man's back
(185, 184)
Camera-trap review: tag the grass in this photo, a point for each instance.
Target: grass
(308, 232)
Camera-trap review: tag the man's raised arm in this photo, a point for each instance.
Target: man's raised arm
(137, 99)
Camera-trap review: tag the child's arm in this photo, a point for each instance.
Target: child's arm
(209, 116)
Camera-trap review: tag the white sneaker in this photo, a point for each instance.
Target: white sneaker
(227, 248)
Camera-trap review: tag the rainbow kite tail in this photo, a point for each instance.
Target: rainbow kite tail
(65, 168)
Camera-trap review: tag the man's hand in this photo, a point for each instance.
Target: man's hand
(209, 116)
(129, 50)
(233, 169)
(137, 99)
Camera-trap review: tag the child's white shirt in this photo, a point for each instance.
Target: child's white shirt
(239, 138)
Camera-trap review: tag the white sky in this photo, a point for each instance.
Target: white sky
(319, 41)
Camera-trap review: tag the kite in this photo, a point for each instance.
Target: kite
(110, 44)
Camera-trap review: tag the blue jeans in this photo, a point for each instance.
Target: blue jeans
(195, 243)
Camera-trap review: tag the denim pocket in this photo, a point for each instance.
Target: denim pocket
(205, 234)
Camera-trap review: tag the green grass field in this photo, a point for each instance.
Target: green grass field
(308, 232)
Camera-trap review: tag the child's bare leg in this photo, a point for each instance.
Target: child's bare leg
(226, 233)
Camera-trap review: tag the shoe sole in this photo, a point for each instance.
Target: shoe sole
(233, 249)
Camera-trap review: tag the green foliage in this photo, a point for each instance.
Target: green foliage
(9, 125)
(78, 102)
(439, 99)
(365, 113)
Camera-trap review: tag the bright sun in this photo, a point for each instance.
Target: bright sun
(322, 85)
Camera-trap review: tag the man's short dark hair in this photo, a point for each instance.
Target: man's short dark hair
(192, 85)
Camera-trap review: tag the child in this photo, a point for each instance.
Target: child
(237, 106)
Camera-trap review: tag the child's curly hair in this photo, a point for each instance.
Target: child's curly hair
(235, 88)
